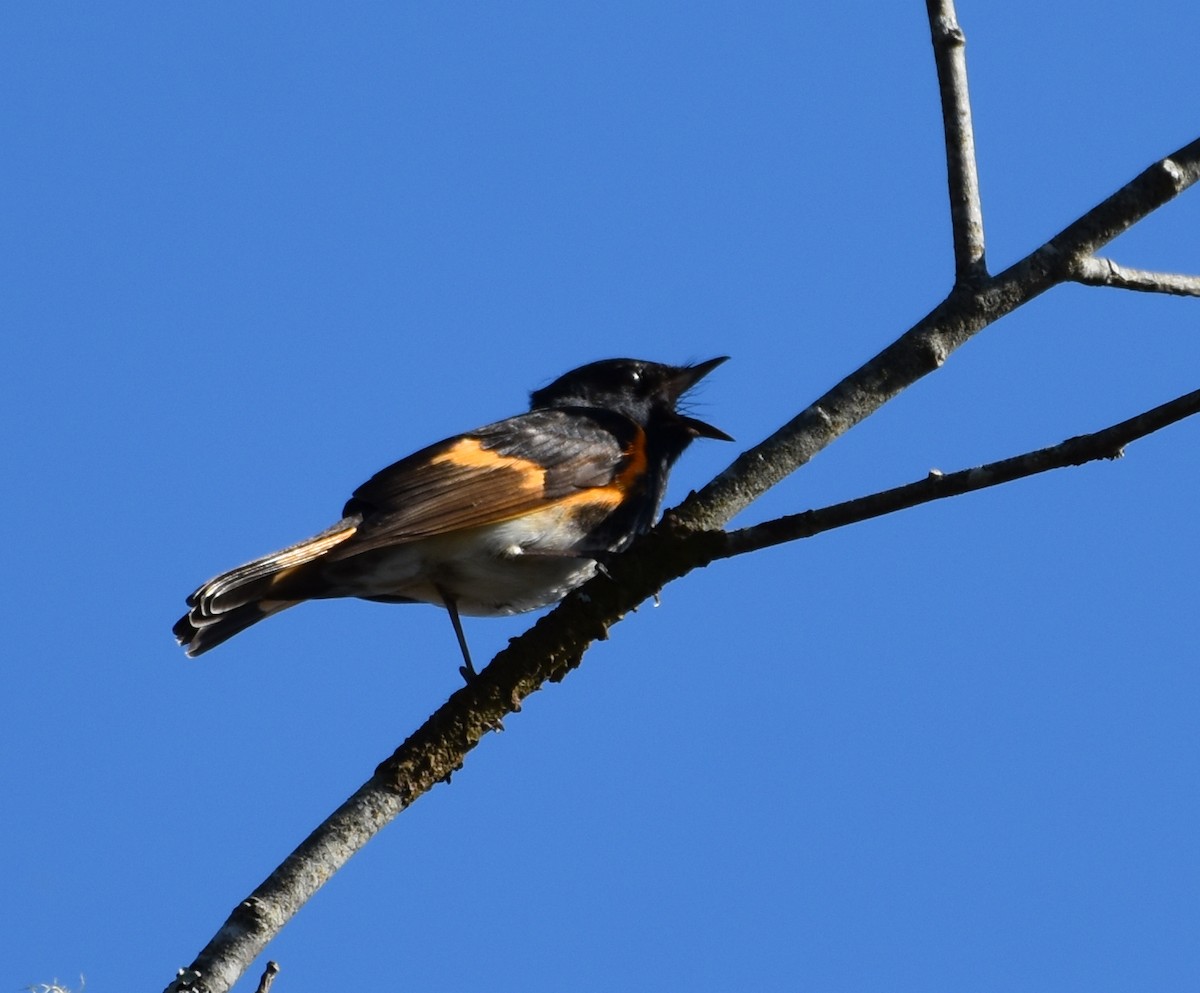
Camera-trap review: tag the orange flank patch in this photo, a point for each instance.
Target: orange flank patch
(635, 468)
(611, 495)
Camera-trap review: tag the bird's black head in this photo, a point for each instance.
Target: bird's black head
(645, 392)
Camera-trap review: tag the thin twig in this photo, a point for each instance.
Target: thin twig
(268, 977)
(1094, 271)
(962, 174)
(1104, 444)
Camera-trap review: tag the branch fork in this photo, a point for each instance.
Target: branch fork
(693, 534)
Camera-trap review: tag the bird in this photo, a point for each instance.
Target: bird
(507, 518)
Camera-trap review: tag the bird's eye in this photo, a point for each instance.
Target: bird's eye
(635, 375)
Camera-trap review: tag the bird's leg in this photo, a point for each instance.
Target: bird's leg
(467, 670)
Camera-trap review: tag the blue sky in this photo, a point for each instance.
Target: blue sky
(254, 254)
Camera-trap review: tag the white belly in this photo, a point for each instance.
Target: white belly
(504, 568)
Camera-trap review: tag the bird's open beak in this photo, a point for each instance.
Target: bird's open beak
(688, 377)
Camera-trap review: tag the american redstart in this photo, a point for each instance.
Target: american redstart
(503, 519)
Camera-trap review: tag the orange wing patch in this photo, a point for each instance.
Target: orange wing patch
(468, 453)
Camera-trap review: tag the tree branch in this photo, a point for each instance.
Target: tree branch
(1105, 444)
(690, 536)
(962, 174)
(1094, 271)
(926, 345)
(555, 645)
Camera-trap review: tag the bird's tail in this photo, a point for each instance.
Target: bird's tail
(234, 600)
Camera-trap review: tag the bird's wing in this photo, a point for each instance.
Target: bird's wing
(500, 472)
